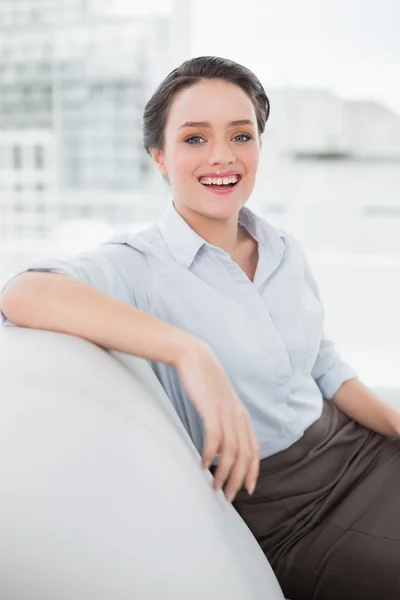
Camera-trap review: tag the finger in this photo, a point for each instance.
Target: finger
(243, 459)
(228, 451)
(212, 441)
(254, 467)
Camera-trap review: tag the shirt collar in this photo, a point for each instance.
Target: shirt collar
(184, 243)
(270, 240)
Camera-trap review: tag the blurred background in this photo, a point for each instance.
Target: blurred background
(76, 74)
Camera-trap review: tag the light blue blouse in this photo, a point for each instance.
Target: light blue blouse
(268, 334)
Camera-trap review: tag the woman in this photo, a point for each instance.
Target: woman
(227, 312)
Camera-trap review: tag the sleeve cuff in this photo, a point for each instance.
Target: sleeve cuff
(330, 382)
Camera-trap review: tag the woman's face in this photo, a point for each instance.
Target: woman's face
(211, 149)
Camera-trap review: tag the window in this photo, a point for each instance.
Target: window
(17, 157)
(3, 156)
(86, 211)
(39, 157)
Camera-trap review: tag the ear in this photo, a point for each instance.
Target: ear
(158, 158)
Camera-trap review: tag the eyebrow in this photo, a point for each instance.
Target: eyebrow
(207, 125)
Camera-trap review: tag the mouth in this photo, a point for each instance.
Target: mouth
(220, 184)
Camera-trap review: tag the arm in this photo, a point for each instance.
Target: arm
(361, 405)
(330, 372)
(338, 381)
(61, 303)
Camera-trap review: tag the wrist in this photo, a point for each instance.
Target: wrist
(184, 345)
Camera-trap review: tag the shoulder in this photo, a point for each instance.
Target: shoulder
(293, 244)
(276, 238)
(117, 267)
(297, 256)
(135, 246)
(288, 247)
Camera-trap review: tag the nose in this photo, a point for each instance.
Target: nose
(221, 154)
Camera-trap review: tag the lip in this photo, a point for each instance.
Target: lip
(221, 190)
(220, 174)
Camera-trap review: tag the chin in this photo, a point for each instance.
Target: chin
(222, 208)
(212, 206)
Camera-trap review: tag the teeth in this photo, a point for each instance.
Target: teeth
(219, 180)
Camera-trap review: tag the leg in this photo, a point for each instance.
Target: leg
(355, 551)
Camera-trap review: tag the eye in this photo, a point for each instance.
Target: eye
(195, 139)
(243, 137)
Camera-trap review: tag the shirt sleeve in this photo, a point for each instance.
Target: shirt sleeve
(329, 370)
(115, 269)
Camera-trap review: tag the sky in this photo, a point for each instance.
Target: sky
(351, 47)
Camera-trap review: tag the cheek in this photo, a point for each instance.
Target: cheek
(251, 160)
(181, 163)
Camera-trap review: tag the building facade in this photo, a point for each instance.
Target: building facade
(73, 84)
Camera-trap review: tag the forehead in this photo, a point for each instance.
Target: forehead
(212, 100)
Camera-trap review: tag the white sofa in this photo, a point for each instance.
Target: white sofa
(102, 494)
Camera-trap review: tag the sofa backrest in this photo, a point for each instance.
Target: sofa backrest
(102, 491)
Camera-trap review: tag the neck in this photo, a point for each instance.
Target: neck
(222, 233)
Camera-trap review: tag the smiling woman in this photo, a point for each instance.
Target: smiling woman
(228, 314)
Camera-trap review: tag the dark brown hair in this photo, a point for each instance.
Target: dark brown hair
(189, 73)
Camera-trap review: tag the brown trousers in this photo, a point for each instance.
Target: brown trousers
(326, 512)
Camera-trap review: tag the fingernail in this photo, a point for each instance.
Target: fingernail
(231, 497)
(251, 489)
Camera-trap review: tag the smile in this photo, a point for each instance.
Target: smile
(220, 185)
(220, 181)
